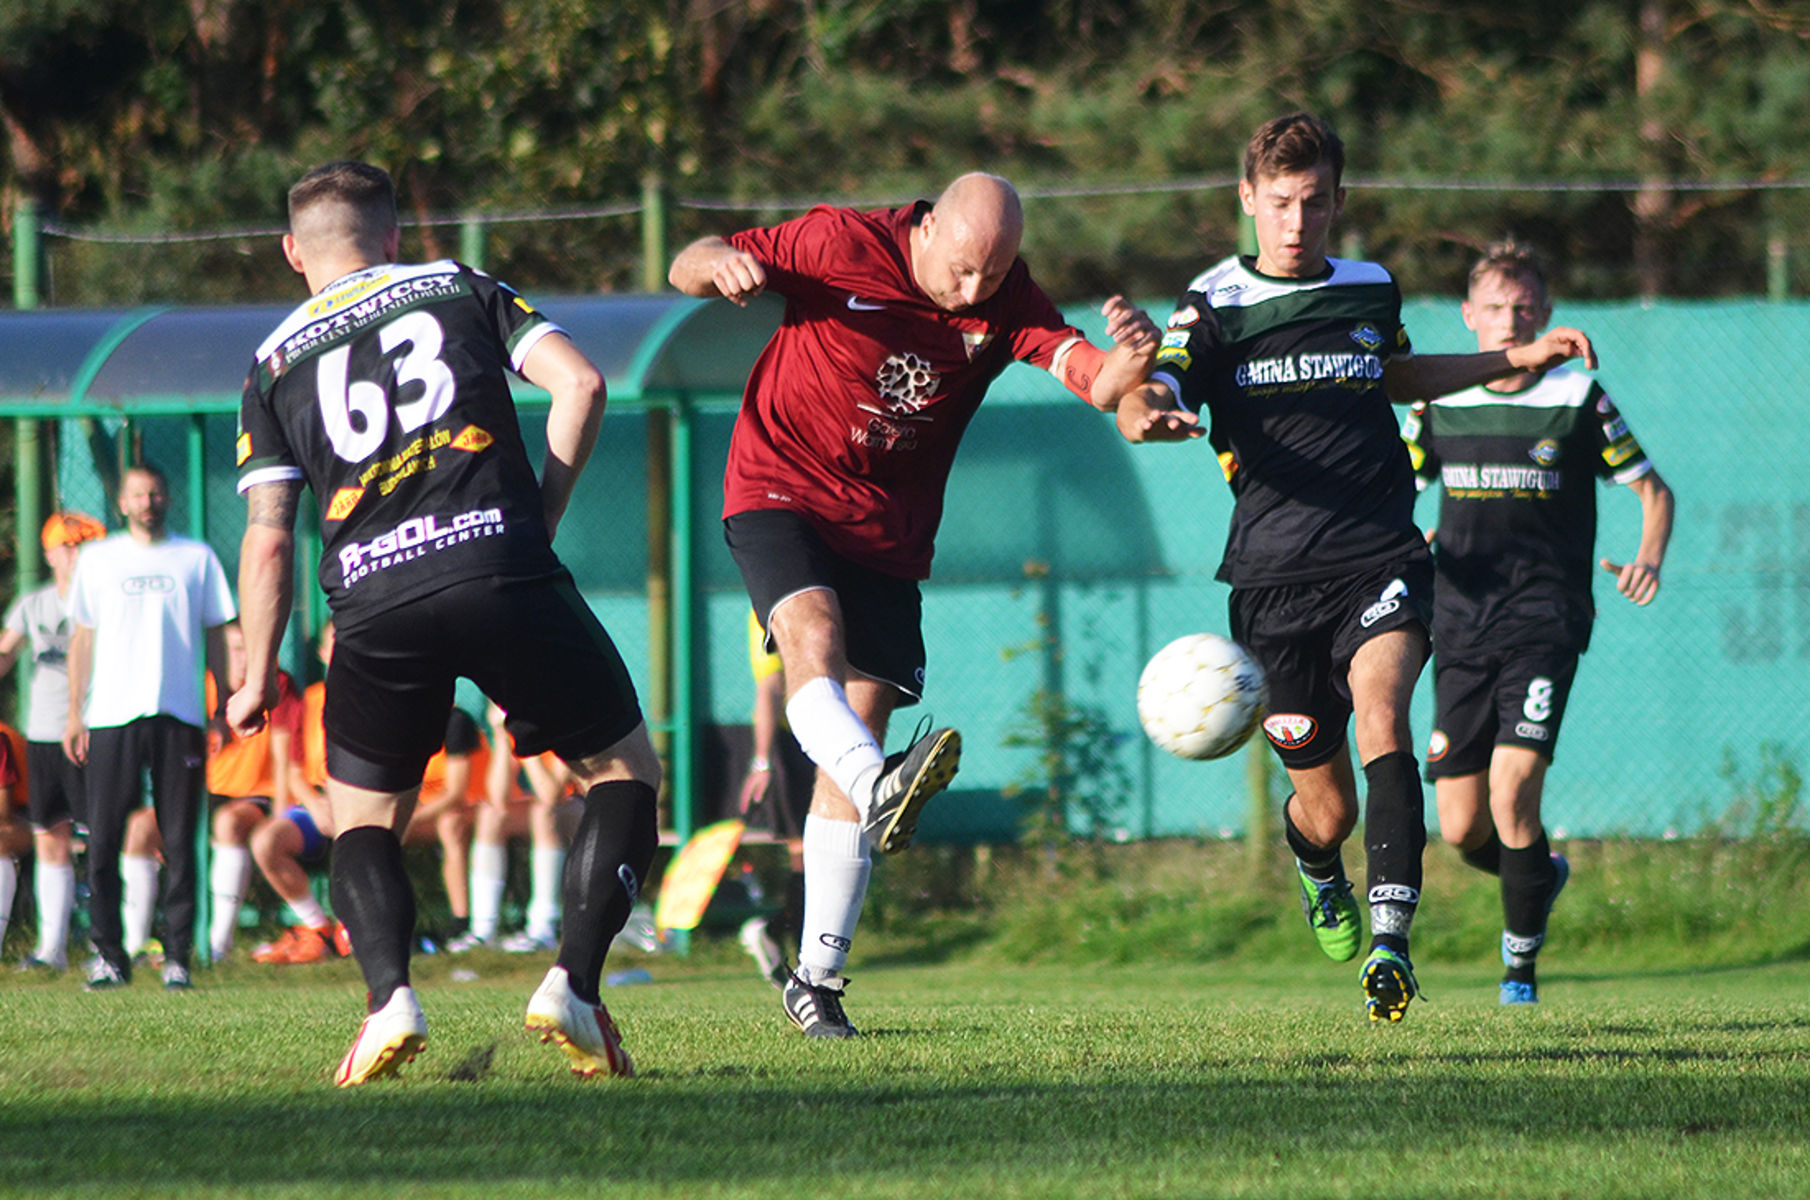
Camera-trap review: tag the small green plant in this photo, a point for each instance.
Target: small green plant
(1766, 805)
(1076, 782)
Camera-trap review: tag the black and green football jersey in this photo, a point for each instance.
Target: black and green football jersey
(1291, 373)
(388, 394)
(1516, 536)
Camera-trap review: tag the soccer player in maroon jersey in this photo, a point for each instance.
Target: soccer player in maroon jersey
(896, 322)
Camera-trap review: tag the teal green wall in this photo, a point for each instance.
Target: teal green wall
(1055, 524)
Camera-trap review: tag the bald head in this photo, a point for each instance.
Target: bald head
(965, 245)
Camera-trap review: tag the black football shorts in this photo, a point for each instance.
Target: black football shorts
(1304, 636)
(781, 554)
(1513, 697)
(531, 645)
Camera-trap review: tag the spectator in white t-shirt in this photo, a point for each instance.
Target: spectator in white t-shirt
(147, 605)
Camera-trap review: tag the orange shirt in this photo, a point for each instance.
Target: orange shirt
(242, 767)
(462, 731)
(314, 736)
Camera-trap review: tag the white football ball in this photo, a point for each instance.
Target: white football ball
(1201, 696)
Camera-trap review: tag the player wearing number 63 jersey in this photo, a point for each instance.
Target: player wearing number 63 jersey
(423, 481)
(387, 394)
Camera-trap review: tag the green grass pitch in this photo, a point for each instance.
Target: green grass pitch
(972, 1080)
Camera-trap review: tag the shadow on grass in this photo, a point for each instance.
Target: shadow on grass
(726, 1125)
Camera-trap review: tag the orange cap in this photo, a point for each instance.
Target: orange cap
(71, 528)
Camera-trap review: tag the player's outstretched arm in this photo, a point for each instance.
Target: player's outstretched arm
(1135, 339)
(1428, 376)
(1149, 414)
(1639, 580)
(578, 392)
(711, 267)
(266, 591)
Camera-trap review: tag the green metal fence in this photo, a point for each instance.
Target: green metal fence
(1067, 557)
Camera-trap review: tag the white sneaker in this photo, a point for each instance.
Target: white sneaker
(765, 949)
(391, 1036)
(528, 943)
(466, 942)
(584, 1031)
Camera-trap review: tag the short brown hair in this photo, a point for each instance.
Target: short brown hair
(366, 192)
(1298, 142)
(1511, 258)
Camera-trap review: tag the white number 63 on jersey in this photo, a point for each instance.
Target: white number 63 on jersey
(345, 403)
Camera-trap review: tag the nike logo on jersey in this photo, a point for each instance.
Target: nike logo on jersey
(859, 305)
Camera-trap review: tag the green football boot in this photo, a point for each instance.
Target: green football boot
(1388, 983)
(1332, 914)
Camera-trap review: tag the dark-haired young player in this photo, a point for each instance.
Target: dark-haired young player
(1518, 461)
(387, 394)
(1297, 357)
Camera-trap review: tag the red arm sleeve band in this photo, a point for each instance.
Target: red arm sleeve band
(1081, 367)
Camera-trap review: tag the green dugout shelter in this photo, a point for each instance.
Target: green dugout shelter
(92, 391)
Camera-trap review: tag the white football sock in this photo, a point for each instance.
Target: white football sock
(489, 872)
(138, 881)
(836, 739)
(9, 884)
(226, 880)
(309, 912)
(837, 863)
(56, 904)
(549, 865)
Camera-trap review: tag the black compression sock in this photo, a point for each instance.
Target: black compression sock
(1487, 857)
(1395, 836)
(604, 871)
(1528, 877)
(371, 894)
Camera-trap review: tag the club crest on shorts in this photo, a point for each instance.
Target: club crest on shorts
(1290, 731)
(1437, 745)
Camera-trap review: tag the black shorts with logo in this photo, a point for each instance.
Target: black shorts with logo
(1513, 697)
(1304, 636)
(780, 554)
(532, 645)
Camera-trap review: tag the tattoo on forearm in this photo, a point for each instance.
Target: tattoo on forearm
(273, 504)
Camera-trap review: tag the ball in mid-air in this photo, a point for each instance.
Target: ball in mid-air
(1201, 696)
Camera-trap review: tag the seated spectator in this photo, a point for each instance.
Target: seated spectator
(296, 837)
(451, 788)
(247, 779)
(508, 813)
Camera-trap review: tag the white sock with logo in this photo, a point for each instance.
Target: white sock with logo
(226, 880)
(489, 873)
(56, 904)
(138, 908)
(836, 739)
(309, 912)
(837, 863)
(548, 865)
